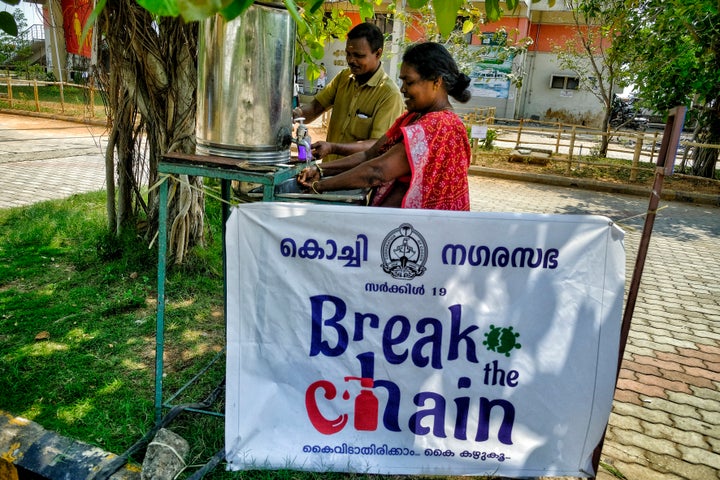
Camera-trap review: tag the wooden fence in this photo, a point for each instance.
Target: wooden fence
(14, 101)
(578, 145)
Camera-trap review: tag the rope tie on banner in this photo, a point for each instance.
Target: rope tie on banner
(653, 212)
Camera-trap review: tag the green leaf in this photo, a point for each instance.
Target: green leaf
(7, 24)
(417, 3)
(292, 9)
(235, 9)
(11, 2)
(366, 11)
(492, 10)
(315, 4)
(551, 3)
(317, 51)
(512, 4)
(446, 12)
(194, 10)
(163, 8)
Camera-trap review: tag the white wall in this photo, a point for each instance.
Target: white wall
(538, 100)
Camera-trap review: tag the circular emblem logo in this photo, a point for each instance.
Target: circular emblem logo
(404, 253)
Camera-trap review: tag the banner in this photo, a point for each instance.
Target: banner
(490, 74)
(399, 341)
(75, 14)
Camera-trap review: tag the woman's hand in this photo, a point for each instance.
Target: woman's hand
(321, 149)
(307, 176)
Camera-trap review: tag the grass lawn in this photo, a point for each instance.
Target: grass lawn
(77, 326)
(77, 331)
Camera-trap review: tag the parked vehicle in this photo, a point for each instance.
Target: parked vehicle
(624, 114)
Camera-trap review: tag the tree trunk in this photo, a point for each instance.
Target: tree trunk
(149, 71)
(605, 139)
(706, 158)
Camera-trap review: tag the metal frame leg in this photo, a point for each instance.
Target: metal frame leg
(160, 322)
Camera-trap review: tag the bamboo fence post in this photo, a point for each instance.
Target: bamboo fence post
(37, 97)
(92, 101)
(571, 147)
(652, 150)
(557, 142)
(9, 88)
(636, 156)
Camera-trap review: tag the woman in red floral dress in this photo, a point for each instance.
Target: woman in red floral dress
(423, 160)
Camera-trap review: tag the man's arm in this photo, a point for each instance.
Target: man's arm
(308, 111)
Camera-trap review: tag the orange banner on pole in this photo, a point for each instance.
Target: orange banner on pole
(75, 15)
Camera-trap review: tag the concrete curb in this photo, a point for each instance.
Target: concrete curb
(667, 194)
(52, 116)
(27, 450)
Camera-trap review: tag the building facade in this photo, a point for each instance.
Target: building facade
(547, 92)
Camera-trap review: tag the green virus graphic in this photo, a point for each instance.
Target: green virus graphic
(501, 340)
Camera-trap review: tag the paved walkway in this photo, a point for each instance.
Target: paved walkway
(42, 159)
(665, 422)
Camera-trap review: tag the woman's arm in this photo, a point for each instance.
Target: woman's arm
(370, 173)
(312, 174)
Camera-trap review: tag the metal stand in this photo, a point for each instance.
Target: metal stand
(665, 166)
(226, 169)
(203, 166)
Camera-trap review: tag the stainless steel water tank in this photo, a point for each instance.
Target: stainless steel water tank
(245, 84)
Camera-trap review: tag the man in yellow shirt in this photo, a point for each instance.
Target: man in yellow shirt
(364, 99)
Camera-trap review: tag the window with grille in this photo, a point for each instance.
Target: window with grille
(565, 82)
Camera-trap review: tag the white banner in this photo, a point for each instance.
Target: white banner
(401, 341)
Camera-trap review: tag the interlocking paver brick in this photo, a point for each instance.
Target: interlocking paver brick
(688, 424)
(704, 404)
(709, 393)
(690, 439)
(700, 454)
(657, 363)
(641, 388)
(685, 356)
(641, 367)
(663, 382)
(708, 373)
(656, 445)
(630, 410)
(689, 379)
(682, 470)
(708, 352)
(711, 417)
(626, 422)
(627, 396)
